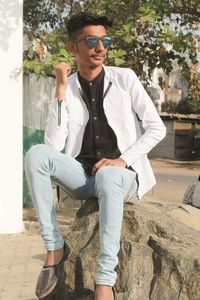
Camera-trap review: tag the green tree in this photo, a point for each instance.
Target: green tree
(153, 32)
(191, 104)
(145, 29)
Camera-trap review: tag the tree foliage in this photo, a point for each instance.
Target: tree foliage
(151, 33)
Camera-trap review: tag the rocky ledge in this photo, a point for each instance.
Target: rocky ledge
(159, 258)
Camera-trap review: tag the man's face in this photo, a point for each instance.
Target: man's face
(90, 57)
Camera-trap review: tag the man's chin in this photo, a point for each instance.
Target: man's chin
(97, 62)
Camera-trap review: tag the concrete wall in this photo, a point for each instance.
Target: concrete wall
(179, 143)
(11, 116)
(166, 148)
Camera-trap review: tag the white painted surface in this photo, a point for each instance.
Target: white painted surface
(11, 116)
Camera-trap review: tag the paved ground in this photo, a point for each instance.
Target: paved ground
(21, 259)
(173, 178)
(20, 262)
(22, 255)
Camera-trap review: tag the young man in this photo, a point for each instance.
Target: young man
(96, 115)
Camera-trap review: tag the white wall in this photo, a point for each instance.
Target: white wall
(10, 116)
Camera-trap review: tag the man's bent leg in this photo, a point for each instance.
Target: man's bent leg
(113, 186)
(43, 163)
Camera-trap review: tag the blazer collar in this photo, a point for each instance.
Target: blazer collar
(107, 78)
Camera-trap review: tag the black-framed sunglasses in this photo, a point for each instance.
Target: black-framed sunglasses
(93, 40)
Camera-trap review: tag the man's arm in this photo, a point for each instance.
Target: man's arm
(56, 129)
(154, 129)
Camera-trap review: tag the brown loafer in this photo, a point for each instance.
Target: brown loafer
(50, 275)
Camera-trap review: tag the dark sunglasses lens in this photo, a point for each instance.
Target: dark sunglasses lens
(92, 41)
(106, 40)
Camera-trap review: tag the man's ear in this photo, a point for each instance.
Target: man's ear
(72, 47)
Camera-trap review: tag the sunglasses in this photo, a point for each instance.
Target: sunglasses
(92, 41)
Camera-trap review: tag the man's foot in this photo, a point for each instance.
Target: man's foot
(103, 292)
(53, 257)
(51, 272)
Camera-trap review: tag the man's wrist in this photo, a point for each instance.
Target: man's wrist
(123, 161)
(60, 93)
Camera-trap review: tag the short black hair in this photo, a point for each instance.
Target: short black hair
(80, 20)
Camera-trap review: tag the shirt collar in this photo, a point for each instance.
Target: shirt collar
(108, 77)
(96, 80)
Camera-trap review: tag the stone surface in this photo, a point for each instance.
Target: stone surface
(159, 258)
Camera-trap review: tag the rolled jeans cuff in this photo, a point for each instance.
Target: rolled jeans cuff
(55, 246)
(104, 282)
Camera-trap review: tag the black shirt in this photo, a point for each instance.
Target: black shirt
(99, 139)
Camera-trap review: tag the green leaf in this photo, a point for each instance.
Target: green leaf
(64, 52)
(118, 61)
(148, 18)
(111, 54)
(116, 53)
(128, 38)
(128, 27)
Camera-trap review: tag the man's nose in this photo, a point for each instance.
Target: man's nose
(99, 46)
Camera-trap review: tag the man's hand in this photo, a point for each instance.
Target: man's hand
(62, 70)
(118, 162)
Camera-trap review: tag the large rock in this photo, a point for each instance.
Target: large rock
(159, 257)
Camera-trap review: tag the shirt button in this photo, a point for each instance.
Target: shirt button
(90, 83)
(95, 118)
(97, 137)
(98, 153)
(93, 100)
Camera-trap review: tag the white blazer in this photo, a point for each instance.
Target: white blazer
(125, 102)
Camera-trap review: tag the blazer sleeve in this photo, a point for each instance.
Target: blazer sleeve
(142, 105)
(56, 134)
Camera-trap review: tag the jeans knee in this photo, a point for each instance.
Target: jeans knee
(34, 156)
(108, 177)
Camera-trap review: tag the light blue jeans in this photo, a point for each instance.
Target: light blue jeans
(111, 185)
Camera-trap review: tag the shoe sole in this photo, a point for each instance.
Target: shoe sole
(48, 292)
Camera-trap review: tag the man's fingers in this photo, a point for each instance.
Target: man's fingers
(63, 65)
(103, 162)
(118, 162)
(63, 68)
(100, 162)
(96, 166)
